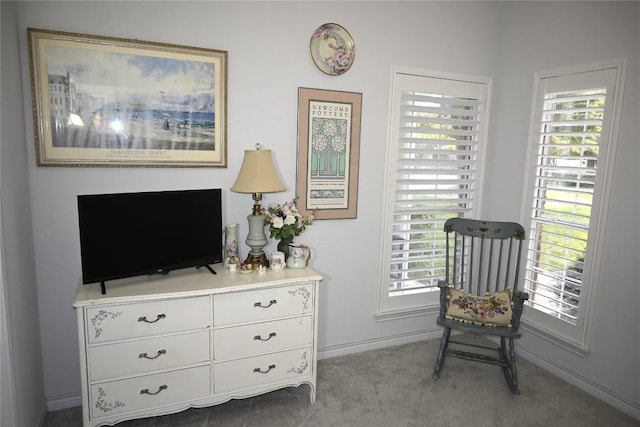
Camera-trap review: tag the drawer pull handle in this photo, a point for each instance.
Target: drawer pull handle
(260, 371)
(259, 337)
(146, 390)
(146, 356)
(259, 304)
(144, 319)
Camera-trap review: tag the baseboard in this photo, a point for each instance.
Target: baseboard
(582, 383)
(377, 343)
(64, 402)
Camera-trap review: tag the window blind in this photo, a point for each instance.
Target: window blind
(570, 132)
(435, 179)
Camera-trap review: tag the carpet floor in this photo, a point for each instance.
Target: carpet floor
(393, 387)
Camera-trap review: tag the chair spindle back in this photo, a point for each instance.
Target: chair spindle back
(485, 256)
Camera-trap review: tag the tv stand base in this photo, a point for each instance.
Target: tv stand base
(208, 267)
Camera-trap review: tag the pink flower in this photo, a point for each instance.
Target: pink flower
(321, 32)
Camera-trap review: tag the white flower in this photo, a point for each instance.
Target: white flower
(290, 219)
(285, 220)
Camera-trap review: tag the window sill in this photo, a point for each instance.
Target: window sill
(406, 313)
(550, 336)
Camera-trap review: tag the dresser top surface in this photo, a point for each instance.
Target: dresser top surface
(186, 283)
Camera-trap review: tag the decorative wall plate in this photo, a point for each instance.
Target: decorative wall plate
(332, 49)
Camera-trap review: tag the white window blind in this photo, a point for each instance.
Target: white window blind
(571, 127)
(434, 173)
(571, 148)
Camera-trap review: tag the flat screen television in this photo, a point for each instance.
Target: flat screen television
(132, 234)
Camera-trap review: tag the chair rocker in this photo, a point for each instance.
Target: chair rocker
(479, 294)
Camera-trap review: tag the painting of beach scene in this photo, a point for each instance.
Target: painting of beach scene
(113, 102)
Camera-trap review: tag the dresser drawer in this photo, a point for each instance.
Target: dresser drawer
(150, 391)
(107, 323)
(260, 338)
(147, 355)
(260, 370)
(266, 304)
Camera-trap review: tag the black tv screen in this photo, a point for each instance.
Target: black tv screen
(131, 234)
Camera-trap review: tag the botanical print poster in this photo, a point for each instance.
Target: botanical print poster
(328, 152)
(330, 140)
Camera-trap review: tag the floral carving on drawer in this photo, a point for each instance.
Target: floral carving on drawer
(100, 316)
(105, 406)
(304, 364)
(305, 293)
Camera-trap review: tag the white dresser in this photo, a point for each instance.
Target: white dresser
(161, 344)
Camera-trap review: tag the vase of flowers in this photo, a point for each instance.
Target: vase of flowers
(285, 222)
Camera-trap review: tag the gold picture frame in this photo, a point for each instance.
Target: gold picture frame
(328, 152)
(106, 101)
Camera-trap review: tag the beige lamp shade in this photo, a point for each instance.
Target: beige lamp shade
(258, 174)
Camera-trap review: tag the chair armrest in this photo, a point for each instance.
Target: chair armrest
(519, 298)
(444, 293)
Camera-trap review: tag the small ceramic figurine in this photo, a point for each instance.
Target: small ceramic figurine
(232, 262)
(277, 261)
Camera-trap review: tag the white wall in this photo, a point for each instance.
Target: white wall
(22, 375)
(268, 44)
(575, 33)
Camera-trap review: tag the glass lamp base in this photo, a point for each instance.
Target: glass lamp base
(256, 240)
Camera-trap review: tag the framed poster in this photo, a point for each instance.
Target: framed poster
(105, 101)
(328, 152)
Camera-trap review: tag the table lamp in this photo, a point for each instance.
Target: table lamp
(257, 175)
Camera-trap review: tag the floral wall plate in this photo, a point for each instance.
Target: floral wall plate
(332, 49)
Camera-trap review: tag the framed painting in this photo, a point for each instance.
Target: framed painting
(328, 152)
(105, 101)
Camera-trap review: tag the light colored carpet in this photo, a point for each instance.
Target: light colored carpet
(393, 387)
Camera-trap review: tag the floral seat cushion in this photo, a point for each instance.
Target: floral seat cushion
(488, 310)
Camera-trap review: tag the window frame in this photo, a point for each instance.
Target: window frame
(575, 338)
(390, 307)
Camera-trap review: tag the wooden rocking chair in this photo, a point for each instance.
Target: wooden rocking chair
(479, 294)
